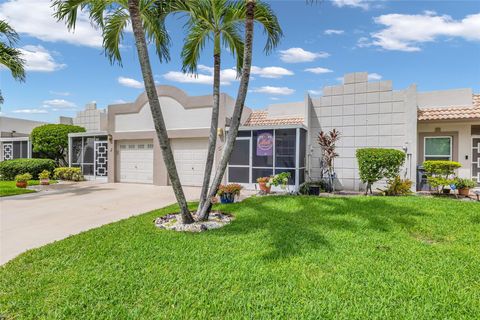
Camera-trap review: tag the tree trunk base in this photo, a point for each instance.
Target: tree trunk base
(173, 221)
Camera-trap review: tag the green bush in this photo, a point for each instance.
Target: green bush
(398, 187)
(10, 168)
(51, 141)
(440, 173)
(375, 164)
(23, 177)
(465, 183)
(68, 173)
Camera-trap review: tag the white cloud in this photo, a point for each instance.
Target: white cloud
(427, 27)
(119, 101)
(351, 3)
(34, 111)
(39, 59)
(296, 55)
(60, 93)
(374, 76)
(129, 82)
(204, 76)
(271, 72)
(333, 31)
(284, 91)
(58, 103)
(318, 92)
(34, 18)
(318, 70)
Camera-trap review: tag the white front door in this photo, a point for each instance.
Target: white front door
(136, 161)
(190, 156)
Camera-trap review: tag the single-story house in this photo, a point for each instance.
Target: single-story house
(425, 125)
(14, 137)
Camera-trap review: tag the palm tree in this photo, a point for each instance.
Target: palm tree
(10, 57)
(215, 20)
(220, 21)
(250, 11)
(147, 18)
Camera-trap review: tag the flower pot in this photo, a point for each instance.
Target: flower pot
(264, 188)
(464, 192)
(314, 190)
(21, 184)
(227, 198)
(44, 182)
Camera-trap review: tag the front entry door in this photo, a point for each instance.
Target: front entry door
(476, 159)
(101, 158)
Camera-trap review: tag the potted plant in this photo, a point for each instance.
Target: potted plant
(44, 177)
(22, 180)
(311, 188)
(227, 193)
(464, 186)
(265, 184)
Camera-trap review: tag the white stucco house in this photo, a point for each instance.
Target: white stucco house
(425, 125)
(14, 137)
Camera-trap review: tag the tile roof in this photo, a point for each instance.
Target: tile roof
(260, 118)
(452, 113)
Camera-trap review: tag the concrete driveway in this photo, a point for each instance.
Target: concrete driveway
(33, 220)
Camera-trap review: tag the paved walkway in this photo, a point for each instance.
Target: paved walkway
(32, 220)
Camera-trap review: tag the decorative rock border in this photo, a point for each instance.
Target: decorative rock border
(173, 222)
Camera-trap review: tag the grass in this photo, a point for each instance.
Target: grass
(282, 258)
(8, 188)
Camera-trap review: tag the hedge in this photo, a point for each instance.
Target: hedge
(10, 168)
(68, 173)
(375, 164)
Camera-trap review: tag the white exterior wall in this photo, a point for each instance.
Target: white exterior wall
(21, 127)
(175, 116)
(367, 114)
(90, 118)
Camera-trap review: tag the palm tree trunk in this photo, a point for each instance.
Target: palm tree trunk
(212, 139)
(157, 115)
(237, 112)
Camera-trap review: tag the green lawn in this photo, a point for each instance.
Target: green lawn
(8, 188)
(282, 258)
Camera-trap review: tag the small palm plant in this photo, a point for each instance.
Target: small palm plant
(327, 142)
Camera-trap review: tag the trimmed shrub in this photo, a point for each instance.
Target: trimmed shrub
(51, 141)
(68, 173)
(375, 164)
(440, 173)
(10, 168)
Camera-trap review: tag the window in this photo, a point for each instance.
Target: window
(285, 141)
(438, 148)
(241, 153)
(262, 148)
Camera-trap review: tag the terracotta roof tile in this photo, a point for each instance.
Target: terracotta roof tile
(260, 118)
(452, 113)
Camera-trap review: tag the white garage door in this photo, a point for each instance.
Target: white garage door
(136, 161)
(190, 156)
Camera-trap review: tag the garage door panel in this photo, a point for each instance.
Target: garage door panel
(190, 156)
(136, 161)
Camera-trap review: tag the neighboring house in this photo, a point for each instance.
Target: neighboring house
(426, 125)
(14, 137)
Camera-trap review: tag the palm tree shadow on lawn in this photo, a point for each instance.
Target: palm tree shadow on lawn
(301, 223)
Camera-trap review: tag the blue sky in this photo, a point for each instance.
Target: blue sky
(435, 44)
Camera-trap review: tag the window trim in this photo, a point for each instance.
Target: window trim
(437, 156)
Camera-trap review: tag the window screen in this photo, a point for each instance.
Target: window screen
(238, 174)
(285, 148)
(241, 153)
(262, 155)
(438, 148)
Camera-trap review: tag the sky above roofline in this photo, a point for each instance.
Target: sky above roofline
(434, 44)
